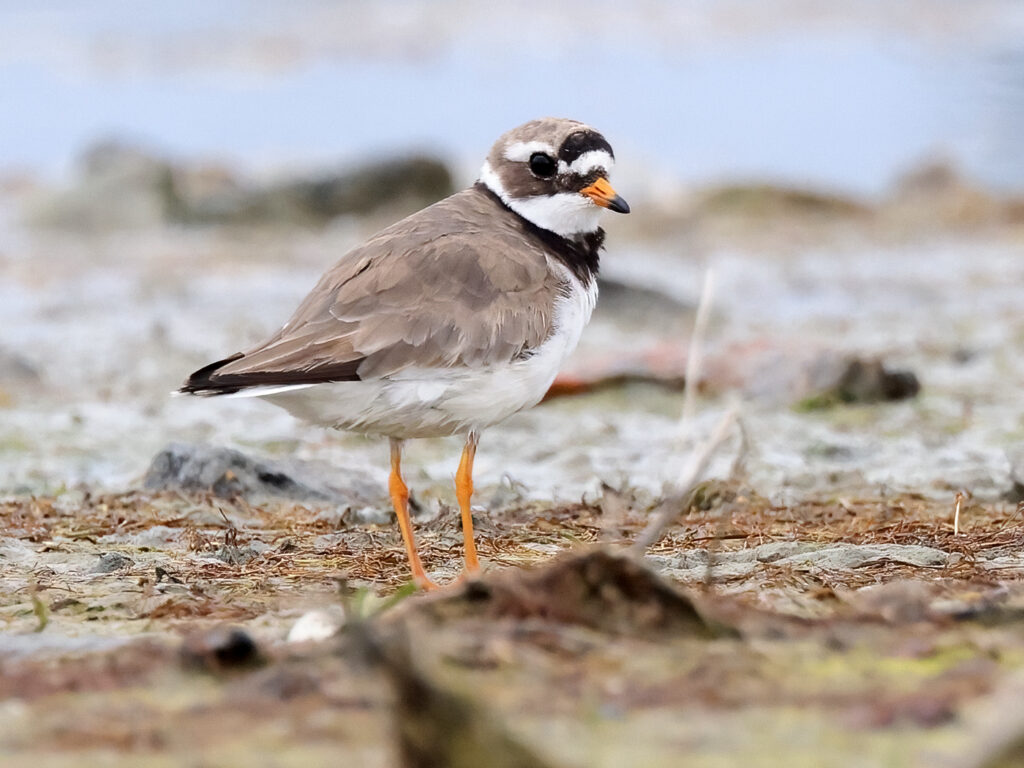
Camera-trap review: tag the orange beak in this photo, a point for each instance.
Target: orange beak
(602, 194)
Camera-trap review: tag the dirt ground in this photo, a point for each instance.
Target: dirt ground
(840, 632)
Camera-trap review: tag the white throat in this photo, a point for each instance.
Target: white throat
(567, 214)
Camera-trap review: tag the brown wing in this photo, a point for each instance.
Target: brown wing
(453, 285)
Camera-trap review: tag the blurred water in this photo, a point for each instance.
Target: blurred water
(688, 92)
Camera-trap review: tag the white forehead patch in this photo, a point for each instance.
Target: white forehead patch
(520, 151)
(589, 161)
(567, 213)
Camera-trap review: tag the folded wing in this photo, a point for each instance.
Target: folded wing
(457, 284)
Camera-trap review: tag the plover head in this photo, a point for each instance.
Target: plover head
(554, 173)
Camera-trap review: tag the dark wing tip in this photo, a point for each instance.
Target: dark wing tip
(206, 381)
(203, 381)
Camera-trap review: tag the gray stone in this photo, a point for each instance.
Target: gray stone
(1015, 493)
(378, 515)
(17, 369)
(258, 547)
(868, 381)
(346, 516)
(413, 182)
(119, 186)
(899, 601)
(696, 565)
(156, 537)
(228, 473)
(112, 561)
(233, 555)
(844, 557)
(327, 541)
(699, 565)
(701, 558)
(774, 551)
(720, 571)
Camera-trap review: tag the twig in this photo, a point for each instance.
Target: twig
(739, 464)
(39, 608)
(674, 503)
(693, 354)
(956, 513)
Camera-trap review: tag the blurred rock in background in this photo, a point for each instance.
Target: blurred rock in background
(123, 185)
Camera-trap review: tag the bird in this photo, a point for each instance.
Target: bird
(450, 320)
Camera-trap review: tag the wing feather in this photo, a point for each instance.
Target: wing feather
(458, 284)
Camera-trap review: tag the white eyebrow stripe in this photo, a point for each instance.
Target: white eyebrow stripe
(587, 162)
(521, 150)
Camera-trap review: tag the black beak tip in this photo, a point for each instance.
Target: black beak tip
(618, 205)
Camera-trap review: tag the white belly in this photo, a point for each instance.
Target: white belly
(435, 402)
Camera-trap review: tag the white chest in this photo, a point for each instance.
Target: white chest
(479, 398)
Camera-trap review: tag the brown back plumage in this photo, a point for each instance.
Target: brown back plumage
(464, 282)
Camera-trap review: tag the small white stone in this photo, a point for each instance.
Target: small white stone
(314, 626)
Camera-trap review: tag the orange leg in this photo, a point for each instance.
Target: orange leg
(464, 493)
(400, 499)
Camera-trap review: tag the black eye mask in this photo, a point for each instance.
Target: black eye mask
(582, 142)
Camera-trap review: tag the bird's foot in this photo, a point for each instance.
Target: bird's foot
(423, 583)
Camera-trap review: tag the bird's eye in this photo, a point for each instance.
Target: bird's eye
(542, 166)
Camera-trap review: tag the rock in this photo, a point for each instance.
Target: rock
(220, 649)
(410, 183)
(258, 547)
(325, 542)
(868, 381)
(935, 193)
(773, 551)
(18, 376)
(367, 516)
(17, 369)
(597, 588)
(414, 182)
(315, 626)
(16, 551)
(898, 602)
(224, 471)
(112, 561)
(637, 306)
(229, 473)
(768, 200)
(344, 516)
(845, 557)
(719, 570)
(762, 369)
(233, 555)
(692, 566)
(154, 537)
(279, 682)
(1015, 493)
(120, 185)
(929, 179)
(862, 381)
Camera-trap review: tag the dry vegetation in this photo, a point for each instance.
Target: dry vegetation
(587, 658)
